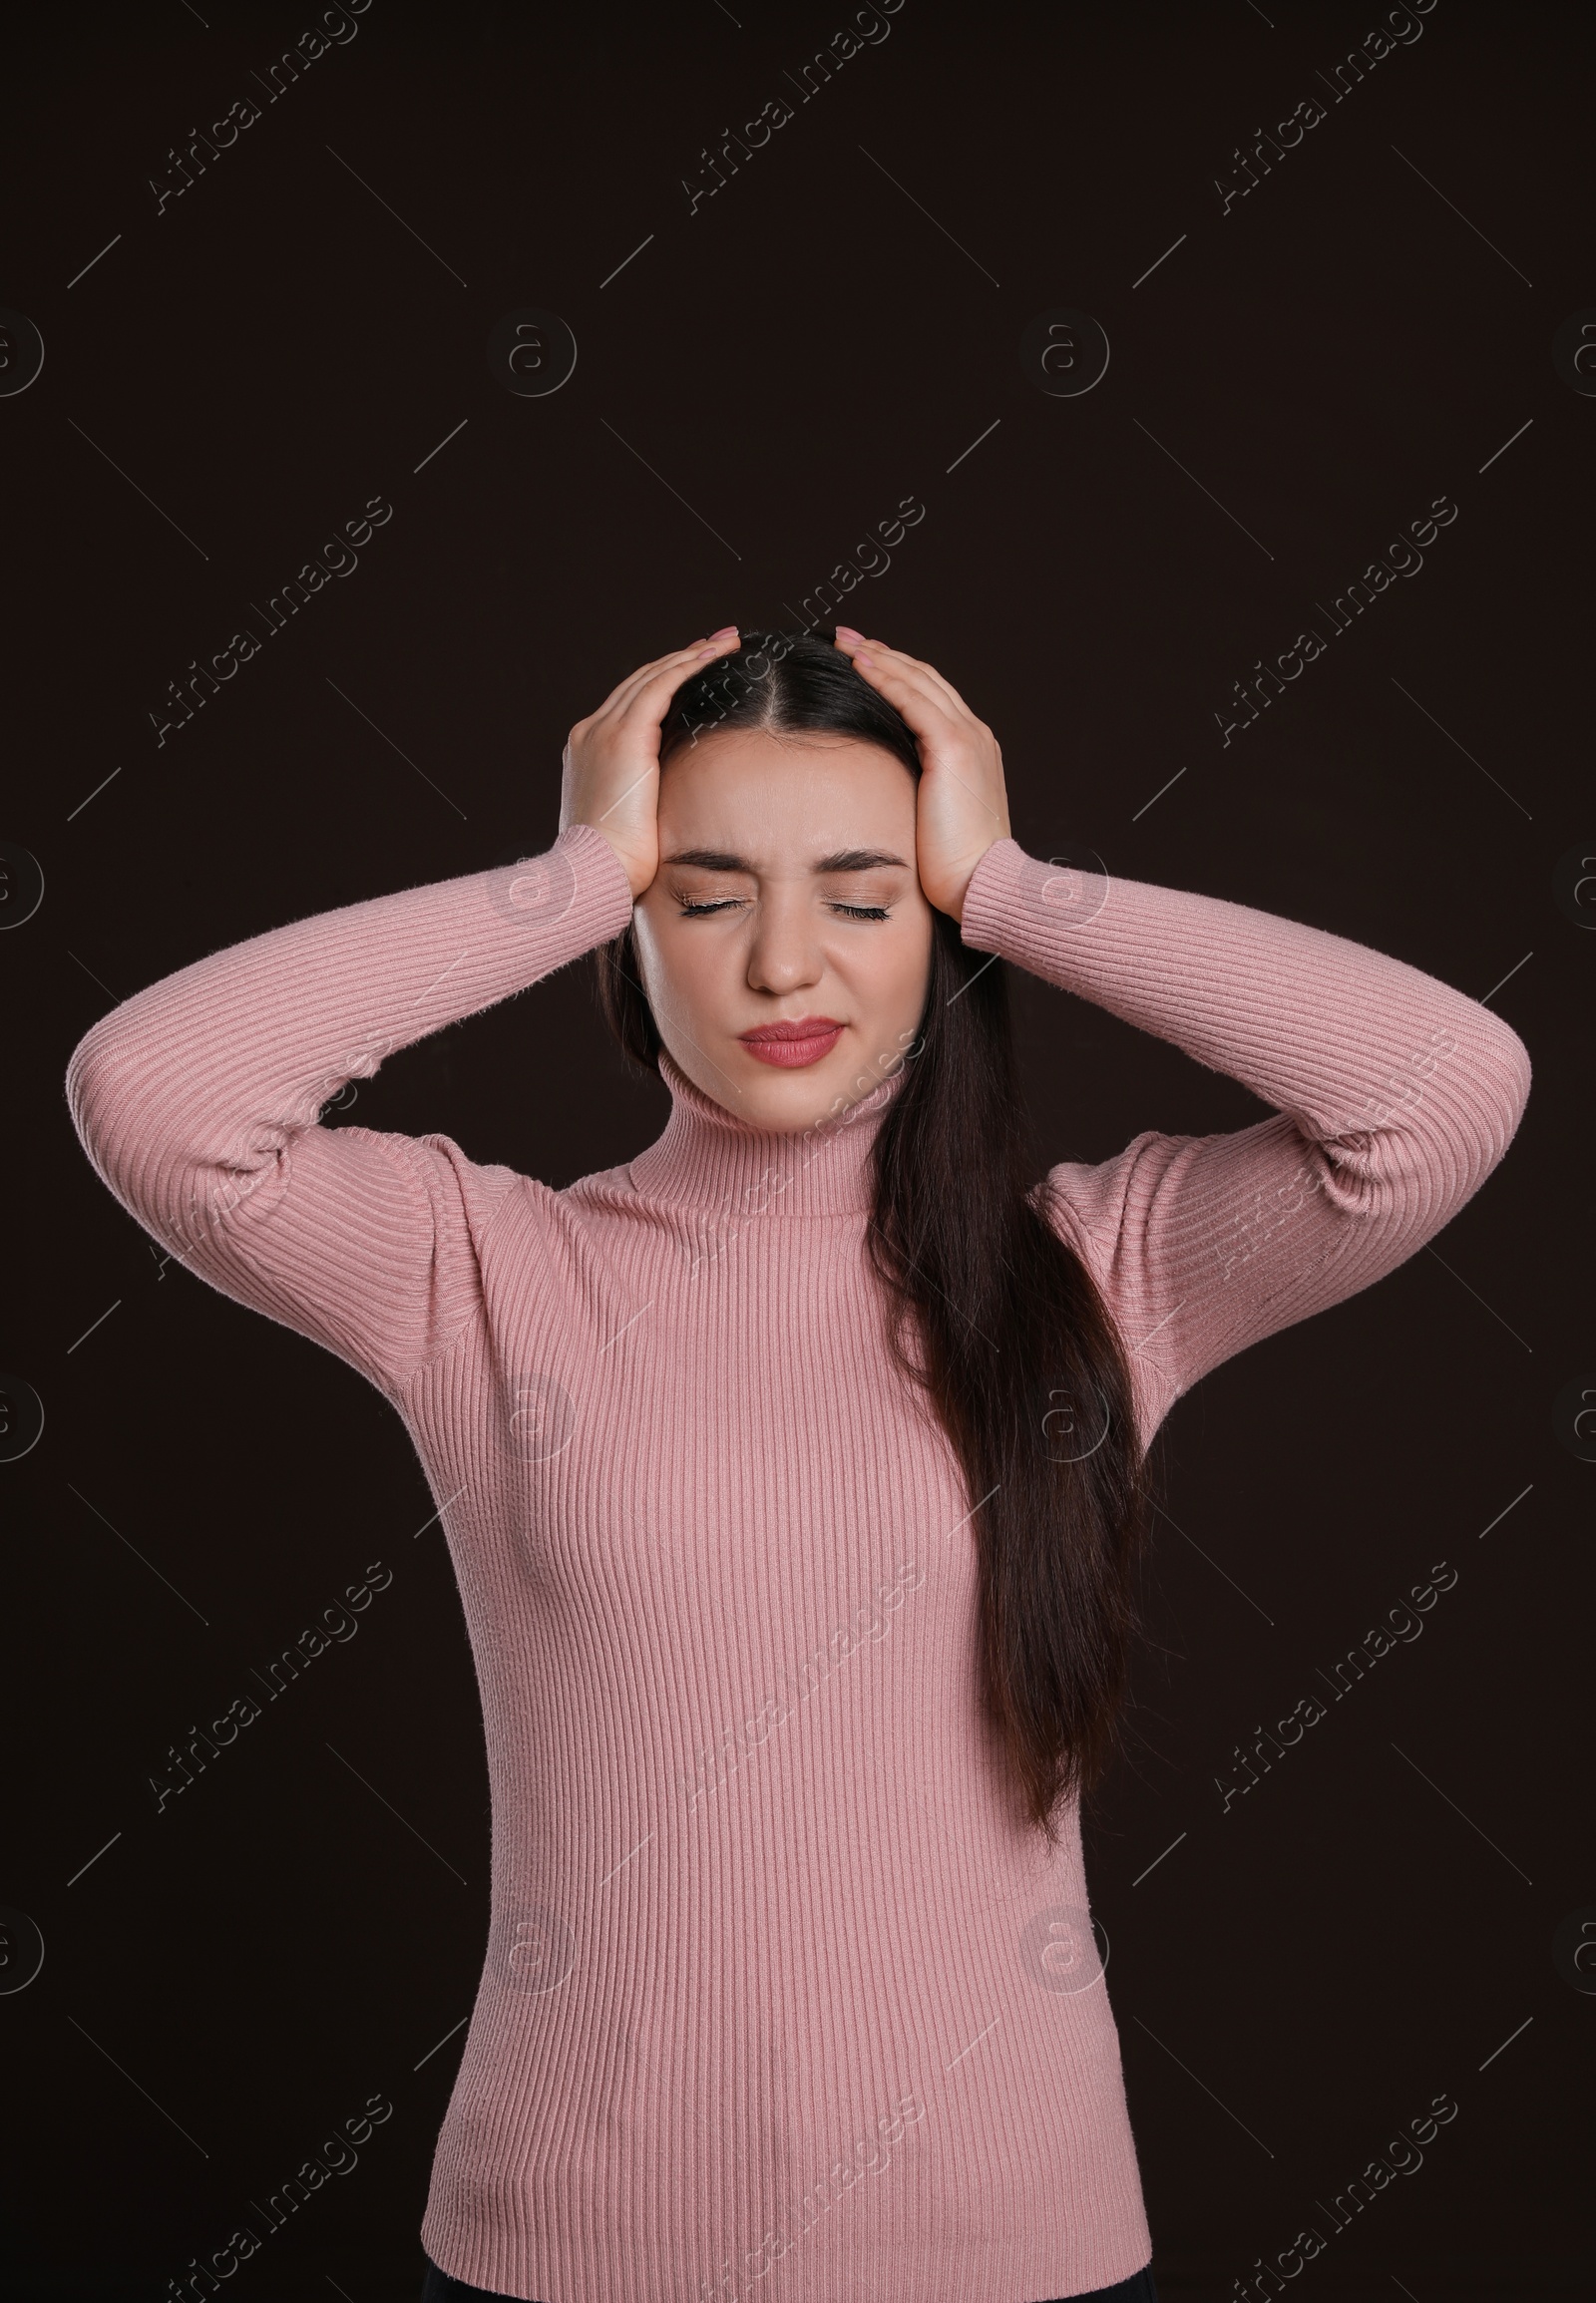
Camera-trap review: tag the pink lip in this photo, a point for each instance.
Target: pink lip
(793, 1045)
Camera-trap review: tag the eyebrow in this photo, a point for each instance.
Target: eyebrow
(845, 860)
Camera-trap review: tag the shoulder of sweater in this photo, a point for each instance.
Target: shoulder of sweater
(479, 1190)
(1099, 1208)
(603, 1191)
(1087, 1198)
(603, 1185)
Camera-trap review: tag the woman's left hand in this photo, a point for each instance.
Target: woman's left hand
(963, 803)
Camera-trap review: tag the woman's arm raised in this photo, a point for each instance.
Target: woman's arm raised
(1395, 1096)
(197, 1100)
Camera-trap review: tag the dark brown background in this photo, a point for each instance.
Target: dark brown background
(1298, 1977)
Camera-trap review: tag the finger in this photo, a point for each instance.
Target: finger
(659, 663)
(928, 705)
(676, 666)
(878, 649)
(645, 696)
(867, 651)
(938, 735)
(650, 698)
(928, 716)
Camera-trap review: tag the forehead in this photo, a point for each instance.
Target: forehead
(825, 791)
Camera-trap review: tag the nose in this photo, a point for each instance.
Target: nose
(784, 954)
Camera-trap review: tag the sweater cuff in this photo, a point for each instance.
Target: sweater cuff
(1020, 906)
(992, 894)
(605, 891)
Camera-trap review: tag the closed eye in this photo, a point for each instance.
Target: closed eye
(691, 911)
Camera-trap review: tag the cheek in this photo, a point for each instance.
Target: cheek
(887, 975)
(683, 974)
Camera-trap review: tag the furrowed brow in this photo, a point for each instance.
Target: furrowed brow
(712, 860)
(844, 859)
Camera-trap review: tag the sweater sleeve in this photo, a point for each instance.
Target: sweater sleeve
(198, 1101)
(1394, 1098)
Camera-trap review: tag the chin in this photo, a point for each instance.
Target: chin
(791, 1101)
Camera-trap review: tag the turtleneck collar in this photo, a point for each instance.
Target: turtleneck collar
(710, 1159)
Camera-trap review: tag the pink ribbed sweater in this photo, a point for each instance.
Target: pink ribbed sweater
(779, 2000)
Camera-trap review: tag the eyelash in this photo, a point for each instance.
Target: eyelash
(849, 911)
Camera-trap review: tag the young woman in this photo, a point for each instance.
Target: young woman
(793, 1472)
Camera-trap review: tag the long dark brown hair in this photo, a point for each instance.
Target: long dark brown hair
(988, 1309)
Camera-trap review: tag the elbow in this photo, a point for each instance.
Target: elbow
(1462, 1129)
(116, 1112)
(1496, 1088)
(130, 1121)
(176, 1159)
(92, 1096)
(1441, 1126)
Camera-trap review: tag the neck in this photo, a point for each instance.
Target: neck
(709, 1158)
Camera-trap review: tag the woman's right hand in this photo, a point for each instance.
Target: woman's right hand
(611, 768)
